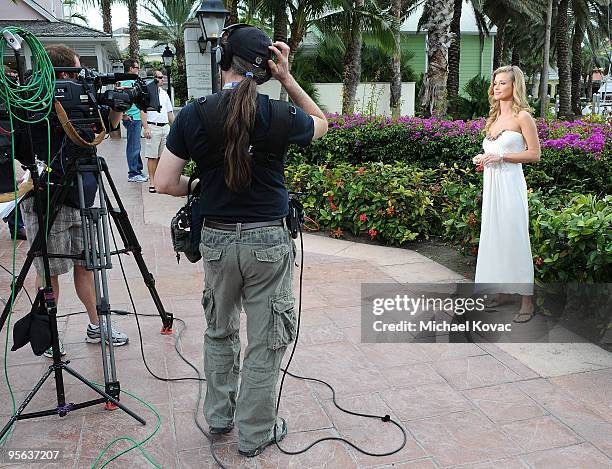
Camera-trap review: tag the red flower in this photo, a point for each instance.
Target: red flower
(337, 233)
(361, 170)
(328, 174)
(436, 188)
(363, 217)
(474, 251)
(390, 210)
(372, 233)
(471, 219)
(333, 206)
(539, 261)
(330, 198)
(339, 183)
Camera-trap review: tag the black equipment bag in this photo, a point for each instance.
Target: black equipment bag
(186, 226)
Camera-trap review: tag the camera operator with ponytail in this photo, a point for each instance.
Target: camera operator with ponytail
(238, 139)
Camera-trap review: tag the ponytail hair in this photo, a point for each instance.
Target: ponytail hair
(239, 124)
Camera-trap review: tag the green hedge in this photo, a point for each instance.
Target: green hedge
(449, 142)
(571, 234)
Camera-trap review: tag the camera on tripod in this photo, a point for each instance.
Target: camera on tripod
(82, 97)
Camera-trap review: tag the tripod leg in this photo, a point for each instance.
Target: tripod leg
(25, 402)
(97, 259)
(130, 242)
(107, 396)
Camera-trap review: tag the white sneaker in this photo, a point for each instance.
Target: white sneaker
(49, 352)
(138, 178)
(94, 336)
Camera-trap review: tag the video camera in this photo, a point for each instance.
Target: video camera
(82, 96)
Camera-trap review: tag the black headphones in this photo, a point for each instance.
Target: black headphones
(224, 53)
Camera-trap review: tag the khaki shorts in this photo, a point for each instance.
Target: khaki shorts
(156, 144)
(65, 236)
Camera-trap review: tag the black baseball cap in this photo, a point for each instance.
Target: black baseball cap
(251, 44)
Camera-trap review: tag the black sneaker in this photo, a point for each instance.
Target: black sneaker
(281, 432)
(220, 430)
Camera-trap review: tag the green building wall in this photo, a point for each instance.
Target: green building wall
(472, 62)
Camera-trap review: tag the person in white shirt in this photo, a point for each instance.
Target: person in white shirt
(159, 123)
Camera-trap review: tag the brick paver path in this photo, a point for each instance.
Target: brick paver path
(462, 405)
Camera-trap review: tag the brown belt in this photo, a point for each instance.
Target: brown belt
(243, 226)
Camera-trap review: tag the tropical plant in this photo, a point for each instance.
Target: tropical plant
(477, 102)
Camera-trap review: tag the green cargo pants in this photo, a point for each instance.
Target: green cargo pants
(250, 269)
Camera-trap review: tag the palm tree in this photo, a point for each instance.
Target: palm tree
(107, 19)
(454, 51)
(563, 59)
(590, 19)
(232, 7)
(436, 19)
(396, 67)
(170, 17)
(105, 10)
(354, 23)
(545, 60)
(501, 13)
(134, 47)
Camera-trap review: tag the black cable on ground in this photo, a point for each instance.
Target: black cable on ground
(385, 418)
(199, 379)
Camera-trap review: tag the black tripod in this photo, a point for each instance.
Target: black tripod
(97, 256)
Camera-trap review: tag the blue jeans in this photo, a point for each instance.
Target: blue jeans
(134, 128)
(11, 221)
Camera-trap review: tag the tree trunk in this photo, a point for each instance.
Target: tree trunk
(546, 59)
(589, 87)
(133, 27)
(454, 56)
(577, 68)
(105, 7)
(563, 63)
(395, 102)
(433, 90)
(516, 57)
(498, 44)
(232, 7)
(352, 63)
(280, 34)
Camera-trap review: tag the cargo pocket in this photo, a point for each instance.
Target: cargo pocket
(283, 322)
(208, 303)
(272, 254)
(212, 259)
(210, 254)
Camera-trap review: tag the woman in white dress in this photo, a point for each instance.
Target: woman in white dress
(504, 252)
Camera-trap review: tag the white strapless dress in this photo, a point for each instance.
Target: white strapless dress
(504, 252)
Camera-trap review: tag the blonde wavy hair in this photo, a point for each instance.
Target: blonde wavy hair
(519, 94)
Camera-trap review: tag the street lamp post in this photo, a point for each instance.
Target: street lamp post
(211, 16)
(167, 57)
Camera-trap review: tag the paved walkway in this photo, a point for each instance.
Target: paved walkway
(463, 405)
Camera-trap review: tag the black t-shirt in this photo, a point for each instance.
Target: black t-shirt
(266, 198)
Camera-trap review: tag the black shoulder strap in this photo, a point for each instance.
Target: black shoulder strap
(281, 122)
(207, 106)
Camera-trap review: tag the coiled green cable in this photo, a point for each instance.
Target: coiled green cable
(35, 96)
